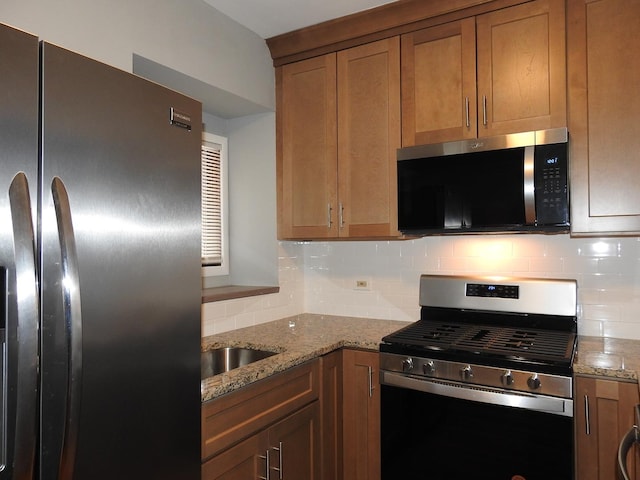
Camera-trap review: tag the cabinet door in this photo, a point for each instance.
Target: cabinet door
(247, 460)
(361, 425)
(604, 115)
(331, 415)
(604, 413)
(369, 134)
(295, 446)
(521, 68)
(439, 84)
(307, 144)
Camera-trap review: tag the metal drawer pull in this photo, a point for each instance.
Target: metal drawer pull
(265, 457)
(484, 110)
(279, 468)
(329, 215)
(587, 421)
(370, 382)
(466, 111)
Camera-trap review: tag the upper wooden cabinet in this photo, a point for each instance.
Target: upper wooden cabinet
(439, 83)
(307, 158)
(338, 128)
(604, 116)
(500, 72)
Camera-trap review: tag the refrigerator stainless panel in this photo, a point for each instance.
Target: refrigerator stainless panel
(18, 153)
(133, 183)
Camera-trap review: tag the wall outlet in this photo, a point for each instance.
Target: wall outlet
(363, 285)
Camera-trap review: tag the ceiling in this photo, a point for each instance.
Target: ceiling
(269, 18)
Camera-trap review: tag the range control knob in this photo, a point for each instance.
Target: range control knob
(534, 382)
(466, 373)
(507, 378)
(407, 364)
(428, 367)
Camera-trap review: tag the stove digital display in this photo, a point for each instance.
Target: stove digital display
(492, 290)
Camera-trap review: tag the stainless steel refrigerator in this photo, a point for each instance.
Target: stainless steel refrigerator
(99, 270)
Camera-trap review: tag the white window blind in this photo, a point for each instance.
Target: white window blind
(213, 199)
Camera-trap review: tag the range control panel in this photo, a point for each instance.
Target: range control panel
(492, 290)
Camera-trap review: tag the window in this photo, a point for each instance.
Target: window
(215, 251)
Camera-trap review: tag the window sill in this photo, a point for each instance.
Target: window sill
(217, 294)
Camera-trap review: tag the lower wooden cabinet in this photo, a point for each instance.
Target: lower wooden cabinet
(320, 420)
(289, 450)
(269, 429)
(331, 415)
(361, 415)
(604, 412)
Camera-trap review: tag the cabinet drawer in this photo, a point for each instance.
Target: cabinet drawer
(237, 415)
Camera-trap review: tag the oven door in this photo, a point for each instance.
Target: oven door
(434, 436)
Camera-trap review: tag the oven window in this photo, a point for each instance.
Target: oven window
(436, 437)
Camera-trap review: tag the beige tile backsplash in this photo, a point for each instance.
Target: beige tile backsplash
(320, 277)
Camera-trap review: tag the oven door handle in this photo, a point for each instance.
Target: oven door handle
(557, 406)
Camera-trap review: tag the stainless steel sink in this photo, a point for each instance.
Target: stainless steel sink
(220, 360)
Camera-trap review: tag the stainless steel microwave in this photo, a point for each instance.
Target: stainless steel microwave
(509, 183)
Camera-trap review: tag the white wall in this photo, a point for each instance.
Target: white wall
(188, 36)
(252, 199)
(607, 271)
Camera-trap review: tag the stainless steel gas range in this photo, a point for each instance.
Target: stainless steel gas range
(487, 373)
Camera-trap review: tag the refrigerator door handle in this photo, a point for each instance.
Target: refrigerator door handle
(28, 315)
(73, 325)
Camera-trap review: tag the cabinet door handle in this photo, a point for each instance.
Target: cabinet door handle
(466, 111)
(267, 468)
(370, 382)
(279, 468)
(484, 110)
(329, 215)
(587, 421)
(341, 215)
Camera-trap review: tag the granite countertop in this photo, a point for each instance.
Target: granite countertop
(298, 339)
(307, 336)
(608, 357)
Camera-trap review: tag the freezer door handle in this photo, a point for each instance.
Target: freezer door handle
(73, 325)
(27, 317)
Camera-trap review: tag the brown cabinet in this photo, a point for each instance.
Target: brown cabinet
(604, 412)
(331, 415)
(500, 72)
(272, 425)
(604, 115)
(288, 450)
(361, 424)
(338, 127)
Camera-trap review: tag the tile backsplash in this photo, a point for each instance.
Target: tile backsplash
(380, 279)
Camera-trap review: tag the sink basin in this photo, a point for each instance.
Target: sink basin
(220, 360)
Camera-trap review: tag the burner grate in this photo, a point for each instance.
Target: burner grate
(509, 342)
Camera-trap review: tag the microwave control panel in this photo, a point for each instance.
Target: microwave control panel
(551, 186)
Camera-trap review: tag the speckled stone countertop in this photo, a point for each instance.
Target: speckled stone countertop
(298, 339)
(307, 336)
(609, 357)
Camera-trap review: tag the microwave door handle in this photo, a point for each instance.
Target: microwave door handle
(73, 326)
(529, 186)
(27, 316)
